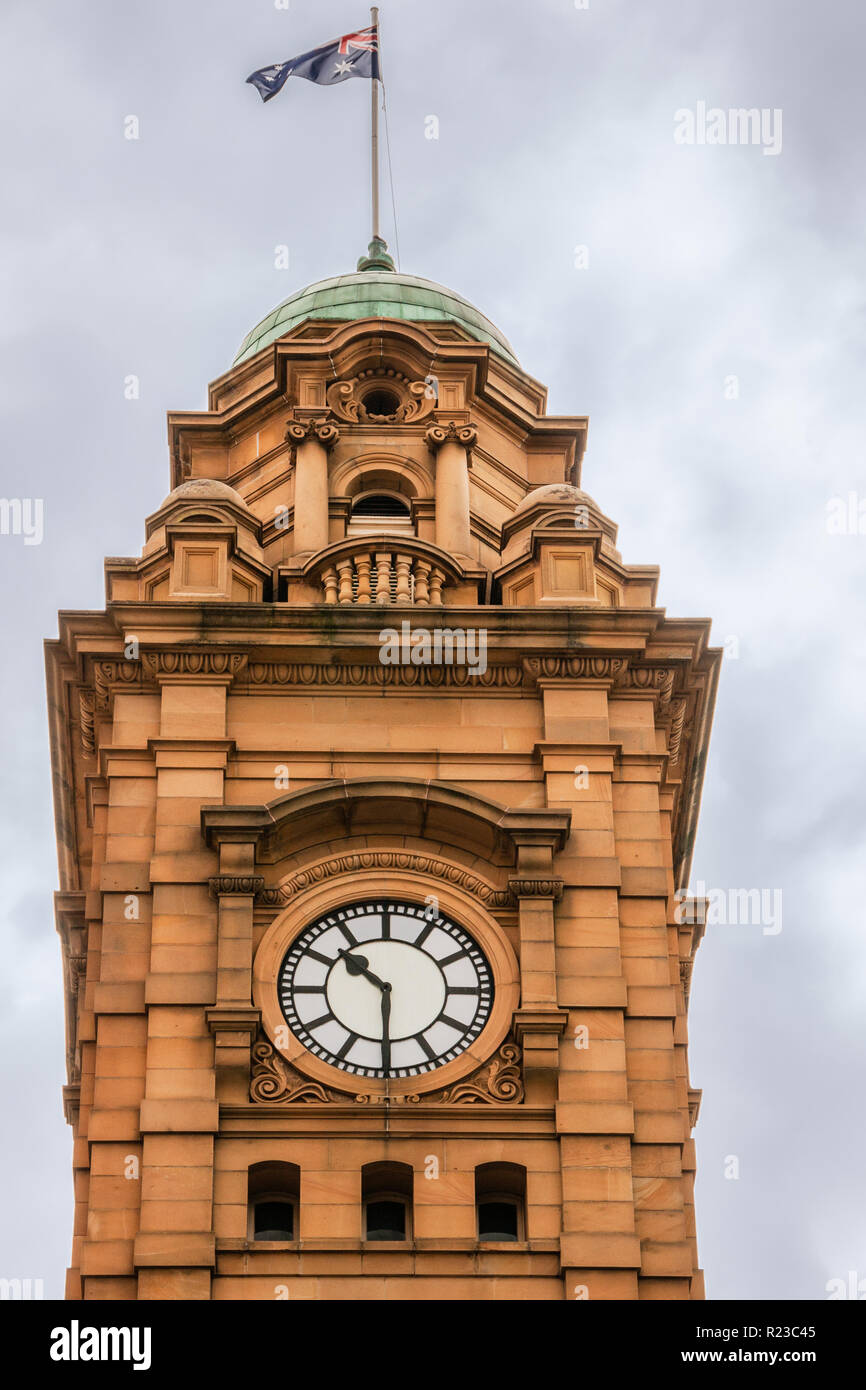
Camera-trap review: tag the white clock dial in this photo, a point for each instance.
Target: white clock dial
(385, 988)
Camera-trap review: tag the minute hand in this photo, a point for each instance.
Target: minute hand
(386, 1023)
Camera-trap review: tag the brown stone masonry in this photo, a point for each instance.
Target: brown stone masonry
(234, 762)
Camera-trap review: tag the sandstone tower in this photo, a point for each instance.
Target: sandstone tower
(375, 782)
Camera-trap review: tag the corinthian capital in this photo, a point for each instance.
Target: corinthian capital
(464, 435)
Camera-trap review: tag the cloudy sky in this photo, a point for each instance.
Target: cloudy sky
(712, 326)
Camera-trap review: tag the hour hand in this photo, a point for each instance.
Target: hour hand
(359, 965)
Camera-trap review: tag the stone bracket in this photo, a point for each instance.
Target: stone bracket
(235, 885)
(537, 1031)
(537, 888)
(234, 1028)
(233, 1021)
(71, 1103)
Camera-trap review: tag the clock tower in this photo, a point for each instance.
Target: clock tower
(376, 785)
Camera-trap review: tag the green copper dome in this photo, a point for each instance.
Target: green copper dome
(375, 291)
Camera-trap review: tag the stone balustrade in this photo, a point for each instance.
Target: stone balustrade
(376, 574)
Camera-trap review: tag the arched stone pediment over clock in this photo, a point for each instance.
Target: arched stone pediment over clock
(387, 972)
(437, 811)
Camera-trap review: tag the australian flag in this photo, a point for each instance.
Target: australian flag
(354, 55)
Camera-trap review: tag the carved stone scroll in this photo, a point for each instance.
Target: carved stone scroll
(276, 1081)
(86, 704)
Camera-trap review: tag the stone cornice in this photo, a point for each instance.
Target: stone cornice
(551, 667)
(164, 667)
(203, 667)
(366, 675)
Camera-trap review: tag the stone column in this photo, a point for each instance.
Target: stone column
(311, 441)
(451, 444)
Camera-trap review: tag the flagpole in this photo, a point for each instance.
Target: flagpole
(374, 17)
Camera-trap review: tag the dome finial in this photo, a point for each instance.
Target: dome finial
(377, 257)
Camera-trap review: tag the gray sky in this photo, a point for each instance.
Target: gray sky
(705, 262)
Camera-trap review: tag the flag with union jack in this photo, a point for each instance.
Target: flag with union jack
(354, 55)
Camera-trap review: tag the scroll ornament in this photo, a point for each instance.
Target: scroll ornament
(86, 715)
(345, 402)
(275, 1081)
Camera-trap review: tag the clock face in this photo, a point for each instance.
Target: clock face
(385, 988)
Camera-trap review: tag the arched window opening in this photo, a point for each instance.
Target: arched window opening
(380, 504)
(386, 1190)
(380, 514)
(500, 1200)
(273, 1196)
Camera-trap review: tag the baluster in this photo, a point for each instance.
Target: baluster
(329, 579)
(362, 564)
(346, 572)
(383, 577)
(404, 594)
(437, 579)
(422, 592)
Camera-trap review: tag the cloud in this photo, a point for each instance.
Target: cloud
(156, 256)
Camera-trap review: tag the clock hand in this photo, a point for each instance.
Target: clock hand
(386, 1021)
(359, 965)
